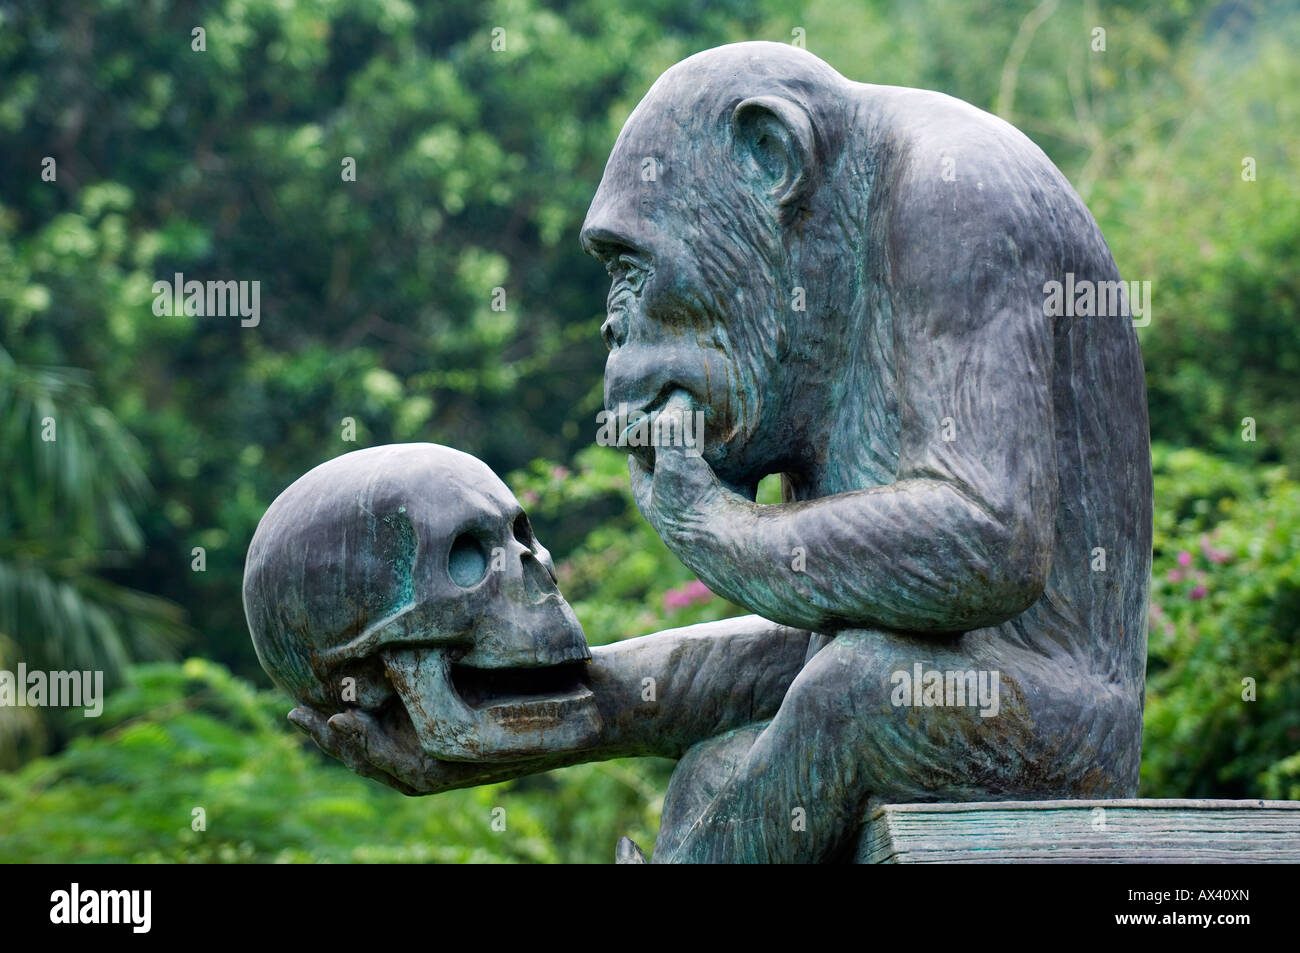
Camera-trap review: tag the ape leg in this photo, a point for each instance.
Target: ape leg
(799, 794)
(699, 777)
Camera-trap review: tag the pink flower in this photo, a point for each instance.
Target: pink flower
(689, 594)
(697, 591)
(530, 498)
(559, 473)
(1174, 575)
(1184, 558)
(1212, 554)
(1197, 593)
(676, 599)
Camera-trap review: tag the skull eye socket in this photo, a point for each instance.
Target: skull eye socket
(467, 563)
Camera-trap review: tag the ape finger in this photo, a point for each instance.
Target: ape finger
(400, 758)
(313, 723)
(642, 480)
(348, 743)
(337, 744)
(305, 720)
(682, 479)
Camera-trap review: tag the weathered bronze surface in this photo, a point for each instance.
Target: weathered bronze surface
(850, 282)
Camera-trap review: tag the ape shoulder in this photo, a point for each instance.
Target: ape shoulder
(964, 188)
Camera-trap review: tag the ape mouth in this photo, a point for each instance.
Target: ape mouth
(660, 398)
(640, 426)
(641, 414)
(549, 686)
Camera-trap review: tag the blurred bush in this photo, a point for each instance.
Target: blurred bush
(180, 739)
(1223, 689)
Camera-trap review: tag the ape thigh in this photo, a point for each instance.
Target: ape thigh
(844, 734)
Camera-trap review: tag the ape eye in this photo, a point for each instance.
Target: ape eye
(467, 562)
(627, 270)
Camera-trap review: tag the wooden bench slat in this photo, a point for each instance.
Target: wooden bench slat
(1126, 831)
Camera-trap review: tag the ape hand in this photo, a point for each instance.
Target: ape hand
(384, 748)
(681, 497)
(374, 750)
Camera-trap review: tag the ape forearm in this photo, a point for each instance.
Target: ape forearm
(657, 695)
(660, 694)
(917, 555)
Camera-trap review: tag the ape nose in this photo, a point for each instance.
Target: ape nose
(614, 331)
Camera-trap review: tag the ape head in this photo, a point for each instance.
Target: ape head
(723, 227)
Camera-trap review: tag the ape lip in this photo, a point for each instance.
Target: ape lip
(651, 409)
(647, 409)
(484, 688)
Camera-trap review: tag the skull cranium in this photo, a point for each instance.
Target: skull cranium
(409, 574)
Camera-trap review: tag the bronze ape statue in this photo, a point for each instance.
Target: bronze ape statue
(850, 282)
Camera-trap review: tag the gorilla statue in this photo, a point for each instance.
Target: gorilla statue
(850, 283)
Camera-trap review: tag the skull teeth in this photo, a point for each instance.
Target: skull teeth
(481, 688)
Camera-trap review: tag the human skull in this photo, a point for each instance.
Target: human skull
(409, 574)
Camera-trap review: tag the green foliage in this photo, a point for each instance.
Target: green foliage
(178, 738)
(66, 512)
(1224, 340)
(1225, 607)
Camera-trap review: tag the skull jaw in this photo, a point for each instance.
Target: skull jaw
(462, 713)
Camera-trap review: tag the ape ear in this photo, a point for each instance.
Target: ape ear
(774, 138)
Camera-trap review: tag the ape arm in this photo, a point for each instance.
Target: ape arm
(706, 679)
(964, 537)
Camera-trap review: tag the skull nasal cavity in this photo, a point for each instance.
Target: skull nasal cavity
(523, 532)
(537, 581)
